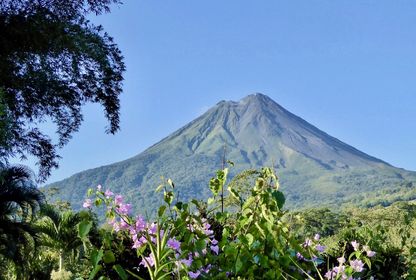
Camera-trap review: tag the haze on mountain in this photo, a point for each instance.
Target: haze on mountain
(314, 168)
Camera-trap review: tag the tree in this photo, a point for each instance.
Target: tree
(59, 231)
(52, 62)
(19, 202)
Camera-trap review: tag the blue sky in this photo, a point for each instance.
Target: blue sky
(347, 67)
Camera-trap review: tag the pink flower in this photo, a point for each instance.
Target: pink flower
(87, 203)
(116, 227)
(108, 194)
(124, 225)
(118, 199)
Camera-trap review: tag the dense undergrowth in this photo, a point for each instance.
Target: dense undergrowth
(241, 232)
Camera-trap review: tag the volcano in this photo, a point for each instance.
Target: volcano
(314, 168)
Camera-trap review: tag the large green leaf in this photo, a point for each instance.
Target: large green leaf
(84, 228)
(120, 271)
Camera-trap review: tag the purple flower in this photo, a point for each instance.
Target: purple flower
(108, 194)
(371, 254)
(355, 245)
(116, 227)
(330, 275)
(339, 269)
(152, 229)
(320, 248)
(174, 244)
(214, 242)
(140, 224)
(357, 265)
(307, 243)
(124, 225)
(194, 275)
(124, 209)
(299, 256)
(139, 242)
(150, 260)
(341, 260)
(87, 203)
(317, 237)
(188, 261)
(215, 249)
(207, 268)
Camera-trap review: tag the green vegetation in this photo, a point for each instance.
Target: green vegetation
(53, 61)
(251, 237)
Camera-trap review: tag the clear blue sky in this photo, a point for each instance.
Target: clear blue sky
(348, 67)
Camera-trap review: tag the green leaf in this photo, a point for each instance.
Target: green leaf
(238, 265)
(214, 185)
(90, 191)
(210, 200)
(120, 271)
(250, 238)
(96, 256)
(279, 198)
(94, 272)
(234, 193)
(168, 197)
(200, 244)
(161, 210)
(84, 228)
(98, 202)
(109, 257)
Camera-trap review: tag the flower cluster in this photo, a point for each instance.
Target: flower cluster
(147, 236)
(346, 270)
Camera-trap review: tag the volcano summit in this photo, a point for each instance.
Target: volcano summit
(314, 167)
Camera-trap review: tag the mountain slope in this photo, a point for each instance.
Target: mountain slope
(314, 167)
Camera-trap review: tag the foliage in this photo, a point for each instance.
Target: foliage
(19, 202)
(197, 240)
(53, 61)
(251, 238)
(62, 232)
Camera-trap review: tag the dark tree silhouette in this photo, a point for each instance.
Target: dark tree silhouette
(53, 61)
(19, 201)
